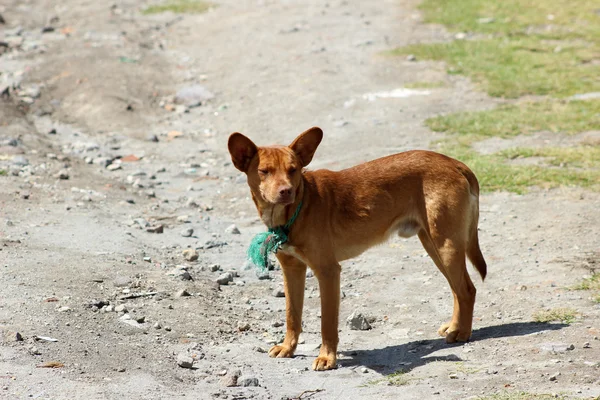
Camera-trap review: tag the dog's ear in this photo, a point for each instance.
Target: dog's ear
(242, 151)
(306, 144)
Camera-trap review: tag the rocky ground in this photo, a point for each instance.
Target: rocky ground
(124, 225)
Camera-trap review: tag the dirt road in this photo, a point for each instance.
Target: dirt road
(99, 154)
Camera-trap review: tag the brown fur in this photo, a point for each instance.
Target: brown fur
(345, 212)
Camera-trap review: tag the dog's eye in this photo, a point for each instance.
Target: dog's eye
(263, 171)
(292, 170)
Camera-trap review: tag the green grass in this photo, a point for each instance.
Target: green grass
(516, 67)
(495, 174)
(425, 85)
(178, 7)
(3, 172)
(519, 50)
(526, 117)
(397, 378)
(520, 396)
(575, 18)
(580, 156)
(591, 283)
(564, 315)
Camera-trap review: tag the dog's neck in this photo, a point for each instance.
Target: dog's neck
(274, 215)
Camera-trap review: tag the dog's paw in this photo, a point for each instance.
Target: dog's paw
(324, 363)
(453, 333)
(280, 351)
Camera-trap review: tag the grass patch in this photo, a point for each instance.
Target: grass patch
(592, 283)
(520, 396)
(178, 7)
(517, 67)
(527, 117)
(397, 378)
(564, 315)
(538, 47)
(425, 85)
(580, 156)
(576, 18)
(495, 174)
(3, 172)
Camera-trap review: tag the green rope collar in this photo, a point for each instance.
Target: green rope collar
(266, 243)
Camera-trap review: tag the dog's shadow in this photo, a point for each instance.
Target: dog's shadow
(408, 356)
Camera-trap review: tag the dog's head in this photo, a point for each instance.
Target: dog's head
(274, 172)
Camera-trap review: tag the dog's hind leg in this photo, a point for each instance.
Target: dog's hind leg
(449, 256)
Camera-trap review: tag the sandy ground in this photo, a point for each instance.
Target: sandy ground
(98, 85)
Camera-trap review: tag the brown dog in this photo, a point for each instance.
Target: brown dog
(344, 213)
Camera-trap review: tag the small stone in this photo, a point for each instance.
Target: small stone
(113, 167)
(157, 325)
(279, 292)
(155, 229)
(225, 278)
(411, 57)
(364, 370)
(587, 345)
(187, 232)
(453, 376)
(185, 361)
(182, 293)
(147, 259)
(243, 326)
(193, 96)
(232, 229)
(190, 254)
(357, 322)
(168, 328)
(153, 138)
(215, 267)
(140, 320)
(229, 381)
(64, 309)
(554, 376)
(556, 347)
(246, 381)
(259, 349)
(20, 161)
(121, 308)
(122, 281)
(109, 308)
(486, 20)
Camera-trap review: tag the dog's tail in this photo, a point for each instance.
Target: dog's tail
(473, 250)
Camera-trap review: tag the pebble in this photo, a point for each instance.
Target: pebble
(121, 308)
(185, 361)
(153, 138)
(556, 347)
(587, 345)
(225, 278)
(122, 281)
(279, 292)
(193, 96)
(182, 293)
(453, 376)
(554, 376)
(20, 161)
(232, 229)
(411, 57)
(357, 322)
(190, 254)
(215, 267)
(247, 380)
(243, 326)
(157, 325)
(229, 381)
(155, 229)
(113, 167)
(140, 320)
(187, 232)
(364, 370)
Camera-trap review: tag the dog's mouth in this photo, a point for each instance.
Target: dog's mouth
(284, 200)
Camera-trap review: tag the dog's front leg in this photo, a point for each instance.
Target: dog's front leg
(329, 288)
(294, 278)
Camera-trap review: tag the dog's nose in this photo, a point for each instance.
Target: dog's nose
(285, 191)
